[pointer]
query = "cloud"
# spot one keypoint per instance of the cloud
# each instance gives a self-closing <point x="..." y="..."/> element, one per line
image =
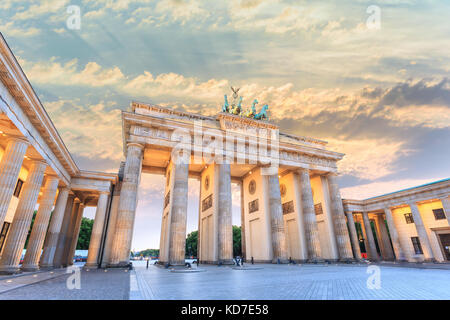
<point x="68" y="74"/>
<point x="373" y="189"/>
<point x="89" y="131"/>
<point x="369" y="158"/>
<point x="43" y="7"/>
<point x="11" y="29"/>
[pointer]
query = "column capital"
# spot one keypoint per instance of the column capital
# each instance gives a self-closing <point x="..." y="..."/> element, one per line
<point x="303" y="170"/>
<point x="38" y="161"/>
<point x="104" y="192"/>
<point x="12" y="137"/>
<point x="135" y="144"/>
<point x="76" y="200"/>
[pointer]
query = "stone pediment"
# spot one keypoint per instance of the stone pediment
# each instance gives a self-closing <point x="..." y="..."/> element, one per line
<point x="237" y="123"/>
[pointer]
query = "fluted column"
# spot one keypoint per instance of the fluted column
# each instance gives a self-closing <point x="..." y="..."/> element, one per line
<point x="75" y="233"/>
<point x="225" y="240"/>
<point x="421" y="232"/>
<point x="51" y="242"/>
<point x="97" y="230"/>
<point x="276" y="220"/>
<point x="387" y="251"/>
<point x="370" y="239"/>
<point x="10" y="165"/>
<point x="40" y="225"/>
<point x="353" y="235"/>
<point x="63" y="233"/>
<point x="9" y="263"/>
<point x="309" y="216"/>
<point x="120" y="254"/>
<point x="398" y="250"/>
<point x="178" y="215"/>
<point x="340" y="225"/>
<point x="446" y="206"/>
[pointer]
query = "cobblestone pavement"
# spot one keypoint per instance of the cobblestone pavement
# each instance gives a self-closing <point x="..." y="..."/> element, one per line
<point x="284" y="282"/>
<point x="275" y="282"/>
<point x="114" y="284"/>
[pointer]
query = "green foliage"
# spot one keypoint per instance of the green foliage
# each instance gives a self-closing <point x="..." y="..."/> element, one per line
<point x="31" y="227"/>
<point x="237" y="247"/>
<point x="192" y="240"/>
<point x="148" y="253"/>
<point x="191" y="244"/>
<point x="85" y="233"/>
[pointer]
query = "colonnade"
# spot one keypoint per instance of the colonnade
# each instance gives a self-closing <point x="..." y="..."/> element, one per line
<point x="173" y="233"/>
<point x="55" y="230"/>
<point x="388" y="239"/>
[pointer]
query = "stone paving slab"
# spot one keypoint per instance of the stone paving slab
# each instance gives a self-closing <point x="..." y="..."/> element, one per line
<point x="96" y="284"/>
<point x="268" y="282"/>
<point x="8" y="283"/>
<point x="295" y="282"/>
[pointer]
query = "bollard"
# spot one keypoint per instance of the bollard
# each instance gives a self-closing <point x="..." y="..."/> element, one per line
<point x="147" y="263"/>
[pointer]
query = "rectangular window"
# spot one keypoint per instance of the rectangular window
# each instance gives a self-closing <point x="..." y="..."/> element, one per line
<point x="318" y="209"/>
<point x="18" y="188"/>
<point x="439" y="214"/>
<point x="416" y="245"/>
<point x="409" y="218"/>
<point x="3" y="234"/>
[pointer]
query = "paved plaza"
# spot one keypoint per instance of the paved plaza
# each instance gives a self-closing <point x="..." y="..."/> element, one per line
<point x="271" y="282"/>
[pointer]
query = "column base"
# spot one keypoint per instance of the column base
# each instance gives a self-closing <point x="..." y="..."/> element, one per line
<point x="90" y="265"/>
<point x="280" y="261"/>
<point x="316" y="260"/>
<point x="347" y="260"/>
<point x="10" y="270"/>
<point x="226" y="262"/>
<point x="46" y="267"/>
<point x="120" y="265"/>
<point x="29" y="268"/>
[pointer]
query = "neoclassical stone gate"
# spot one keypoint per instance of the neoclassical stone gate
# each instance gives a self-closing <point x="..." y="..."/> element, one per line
<point x="291" y="205"/>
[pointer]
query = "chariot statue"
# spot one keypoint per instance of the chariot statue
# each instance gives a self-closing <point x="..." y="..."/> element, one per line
<point x="236" y="107"/>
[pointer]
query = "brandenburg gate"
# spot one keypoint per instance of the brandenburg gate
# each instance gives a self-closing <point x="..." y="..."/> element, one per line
<point x="291" y="206"/>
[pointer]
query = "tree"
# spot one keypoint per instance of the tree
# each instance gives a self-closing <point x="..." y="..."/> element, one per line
<point x="191" y="244"/>
<point x="149" y="253"/>
<point x="192" y="240"/>
<point x="29" y="230"/>
<point x="237" y="248"/>
<point x="85" y="233"/>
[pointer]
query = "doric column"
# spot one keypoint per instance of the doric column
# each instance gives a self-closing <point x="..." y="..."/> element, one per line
<point x="243" y="244"/>
<point x="353" y="235"/>
<point x="97" y="230"/>
<point x="276" y="220"/>
<point x="120" y="254"/>
<point x="309" y="216"/>
<point x="40" y="225"/>
<point x="421" y="232"/>
<point x="111" y="225"/>
<point x="399" y="253"/>
<point x="10" y="165"/>
<point x="370" y="239"/>
<point x="70" y="232"/>
<point x="446" y="206"/>
<point x="340" y="226"/>
<point x="225" y="239"/>
<point x="75" y="234"/>
<point x="388" y="254"/>
<point x="9" y="263"/>
<point x="177" y="240"/>
<point x="51" y="242"/>
<point x="63" y="233"/>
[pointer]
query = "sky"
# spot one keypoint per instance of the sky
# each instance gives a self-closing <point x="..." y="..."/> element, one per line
<point x="369" y="77"/>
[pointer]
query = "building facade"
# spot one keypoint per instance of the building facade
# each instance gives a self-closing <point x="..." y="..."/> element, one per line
<point x="291" y="208"/>
<point x="408" y="225"/>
